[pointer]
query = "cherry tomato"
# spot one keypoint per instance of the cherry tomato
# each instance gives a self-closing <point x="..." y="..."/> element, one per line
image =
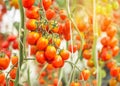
<point x="90" y="63"/>
<point x="72" y="48"/>
<point x="85" y="74"/>
<point x="113" y="82"/>
<point x="32" y="13"/>
<point x="104" y="41"/>
<point x="63" y="14"/>
<point x="113" y="42"/>
<point x="50" y="53"/>
<point x="57" y="42"/>
<point x="42" y="43"/>
<point x="111" y="31"/>
<point x="40" y="57"/>
<point x="31" y="24"/>
<point x="32" y="38"/>
<point x="14" y="60"/>
<point x="58" y="62"/>
<point x="75" y="84"/>
<point x="28" y="3"/>
<point x="14" y="3"/>
<point x="2" y="78"/>
<point x="46" y="4"/>
<point x="33" y="50"/>
<point x="4" y="62"/>
<point x="115" y="51"/>
<point x="114" y="72"/>
<point x="15" y="45"/>
<point x="111" y="64"/>
<point x="13" y="73"/>
<point x="87" y="54"/>
<point x="5" y="44"/>
<point x="50" y="14"/>
<point x="11" y="38"/>
<point x="64" y="54"/>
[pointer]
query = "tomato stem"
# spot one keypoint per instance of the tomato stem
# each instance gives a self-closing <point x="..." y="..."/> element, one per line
<point x="21" y="43"/>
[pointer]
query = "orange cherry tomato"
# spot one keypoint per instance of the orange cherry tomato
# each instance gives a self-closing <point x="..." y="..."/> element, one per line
<point x="64" y="54"/>
<point x="33" y="12"/>
<point x="50" y="53"/>
<point x="2" y="78"/>
<point x="85" y="74"/>
<point x="14" y="60"/>
<point x="31" y="24"/>
<point x="58" y="62"/>
<point x="27" y="3"/>
<point x="13" y="73"/>
<point x="42" y="43"/>
<point x="32" y="38"/>
<point x="4" y="62"/>
<point x="40" y="57"/>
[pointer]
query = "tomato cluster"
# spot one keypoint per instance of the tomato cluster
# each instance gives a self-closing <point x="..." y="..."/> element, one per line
<point x="45" y="31"/>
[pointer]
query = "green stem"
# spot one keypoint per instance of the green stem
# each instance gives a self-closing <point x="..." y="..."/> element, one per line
<point x="60" y="76"/>
<point x="82" y="41"/>
<point x="44" y="67"/>
<point x="21" y="43"/>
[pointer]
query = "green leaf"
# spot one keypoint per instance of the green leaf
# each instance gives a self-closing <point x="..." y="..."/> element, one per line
<point x="16" y="25"/>
<point x="61" y="3"/>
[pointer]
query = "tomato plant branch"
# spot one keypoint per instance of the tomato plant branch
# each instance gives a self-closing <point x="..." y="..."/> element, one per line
<point x="44" y="67"/>
<point x="21" y="45"/>
<point x="94" y="49"/>
<point x="60" y="76"/>
<point x="81" y="37"/>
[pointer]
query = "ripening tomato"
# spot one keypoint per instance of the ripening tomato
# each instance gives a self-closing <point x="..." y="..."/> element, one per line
<point x="111" y="64"/>
<point x="64" y="54"/>
<point x="72" y="48"/>
<point x="82" y="26"/>
<point x="4" y="62"/>
<point x="85" y="74"/>
<point x="114" y="71"/>
<point x="50" y="14"/>
<point x="42" y="43"/>
<point x="63" y="15"/>
<point x="90" y="63"/>
<point x="28" y="3"/>
<point x="87" y="54"/>
<point x="118" y="77"/>
<point x="11" y="83"/>
<point x="14" y="3"/>
<point x="113" y="82"/>
<point x="60" y="28"/>
<point x="32" y="13"/>
<point x="33" y="49"/>
<point x="55" y="82"/>
<point x="57" y="42"/>
<point x="40" y="57"/>
<point x="11" y="38"/>
<point x="41" y="81"/>
<point x="31" y="24"/>
<point x="67" y="36"/>
<point x="104" y="41"/>
<point x="113" y="42"/>
<point x="58" y="62"/>
<point x="115" y="51"/>
<point x="14" y="60"/>
<point x="50" y="53"/>
<point x="7" y="52"/>
<point x="15" y="44"/>
<point x="2" y="78"/>
<point x="46" y="4"/>
<point x="5" y="44"/>
<point x="32" y="38"/>
<point x="13" y="73"/>
<point x="111" y="31"/>
<point x="75" y="84"/>
<point x="50" y="67"/>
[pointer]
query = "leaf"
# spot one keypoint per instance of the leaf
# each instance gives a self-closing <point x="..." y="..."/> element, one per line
<point x="61" y="3"/>
<point x="16" y="25"/>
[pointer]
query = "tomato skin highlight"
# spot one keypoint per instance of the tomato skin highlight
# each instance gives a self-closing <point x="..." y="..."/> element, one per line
<point x="27" y="3"/>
